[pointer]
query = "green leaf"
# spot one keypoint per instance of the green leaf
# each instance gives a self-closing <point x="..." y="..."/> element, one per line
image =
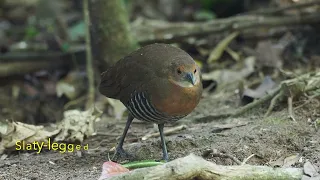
<point x="30" y="32"/>
<point x="77" y="31"/>
<point x="204" y="15"/>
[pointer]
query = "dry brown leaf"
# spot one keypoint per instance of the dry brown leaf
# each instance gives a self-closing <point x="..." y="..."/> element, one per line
<point x="277" y="163"/>
<point x="225" y="76"/>
<point x="267" y="85"/>
<point x="12" y="132"/>
<point x="72" y="86"/>
<point x="291" y="160"/>
<point x="221" y="47"/>
<point x="310" y="170"/>
<point x="286" y="162"/>
<point x="118" y="107"/>
<point x="269" y="55"/>
<point x="77" y="125"/>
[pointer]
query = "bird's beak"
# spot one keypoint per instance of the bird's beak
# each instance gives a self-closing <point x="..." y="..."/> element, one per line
<point x="191" y="78"/>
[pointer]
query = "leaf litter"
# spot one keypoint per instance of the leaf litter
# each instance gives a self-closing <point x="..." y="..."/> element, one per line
<point x="75" y="127"/>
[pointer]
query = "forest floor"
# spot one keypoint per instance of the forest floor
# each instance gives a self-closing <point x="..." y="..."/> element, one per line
<point x="275" y="140"/>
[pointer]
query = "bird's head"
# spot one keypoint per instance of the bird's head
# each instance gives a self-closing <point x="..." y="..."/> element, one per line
<point x="185" y="73"/>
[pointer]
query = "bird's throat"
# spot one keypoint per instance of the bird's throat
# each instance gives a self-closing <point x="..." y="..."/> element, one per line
<point x="184" y="84"/>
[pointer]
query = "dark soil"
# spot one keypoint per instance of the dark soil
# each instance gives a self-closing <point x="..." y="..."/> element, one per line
<point x="269" y="139"/>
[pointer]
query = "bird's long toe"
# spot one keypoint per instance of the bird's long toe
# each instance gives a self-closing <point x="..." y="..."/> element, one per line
<point x="121" y="153"/>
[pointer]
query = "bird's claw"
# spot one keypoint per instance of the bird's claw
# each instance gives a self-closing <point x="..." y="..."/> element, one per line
<point x="121" y="153"/>
<point x="165" y="158"/>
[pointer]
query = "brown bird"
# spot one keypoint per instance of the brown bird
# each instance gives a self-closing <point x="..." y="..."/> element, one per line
<point x="157" y="83"/>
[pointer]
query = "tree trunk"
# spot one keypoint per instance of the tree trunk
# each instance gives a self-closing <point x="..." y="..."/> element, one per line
<point x="111" y="37"/>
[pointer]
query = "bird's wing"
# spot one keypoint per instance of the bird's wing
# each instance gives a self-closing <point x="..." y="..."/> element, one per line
<point x="127" y="76"/>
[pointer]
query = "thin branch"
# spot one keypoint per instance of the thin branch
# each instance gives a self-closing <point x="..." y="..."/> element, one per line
<point x="247" y="159"/>
<point x="272" y="11"/>
<point x="149" y="31"/>
<point x="90" y="73"/>
<point x="290" y="108"/>
<point x="223" y="155"/>
<point x="166" y="132"/>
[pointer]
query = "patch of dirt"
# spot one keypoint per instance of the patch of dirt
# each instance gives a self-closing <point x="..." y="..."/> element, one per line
<point x="268" y="138"/>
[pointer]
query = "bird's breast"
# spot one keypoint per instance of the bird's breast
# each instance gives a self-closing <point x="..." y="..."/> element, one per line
<point x="177" y="100"/>
<point x="141" y="108"/>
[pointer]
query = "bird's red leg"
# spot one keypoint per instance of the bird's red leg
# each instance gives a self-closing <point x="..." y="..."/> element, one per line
<point x="119" y="150"/>
<point x="163" y="143"/>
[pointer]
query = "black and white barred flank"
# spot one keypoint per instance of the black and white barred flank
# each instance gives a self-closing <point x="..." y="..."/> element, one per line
<point x="140" y="108"/>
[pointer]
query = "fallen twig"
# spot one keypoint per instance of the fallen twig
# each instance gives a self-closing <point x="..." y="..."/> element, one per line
<point x="166" y="132"/>
<point x="241" y="110"/>
<point x="22" y="63"/>
<point x="150" y="31"/>
<point x="256" y="103"/>
<point x="23" y="67"/>
<point x="194" y="167"/>
<point x="219" y="128"/>
<point x="272" y="11"/>
<point x="289" y="88"/>
<point x="273" y="102"/>
<point x="307" y="101"/>
<point x="223" y="155"/>
<point x="108" y="134"/>
<point x="290" y="111"/>
<point x="247" y="159"/>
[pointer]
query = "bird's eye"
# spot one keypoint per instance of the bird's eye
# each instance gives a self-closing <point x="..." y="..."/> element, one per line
<point x="179" y="71"/>
<point x="195" y="71"/>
